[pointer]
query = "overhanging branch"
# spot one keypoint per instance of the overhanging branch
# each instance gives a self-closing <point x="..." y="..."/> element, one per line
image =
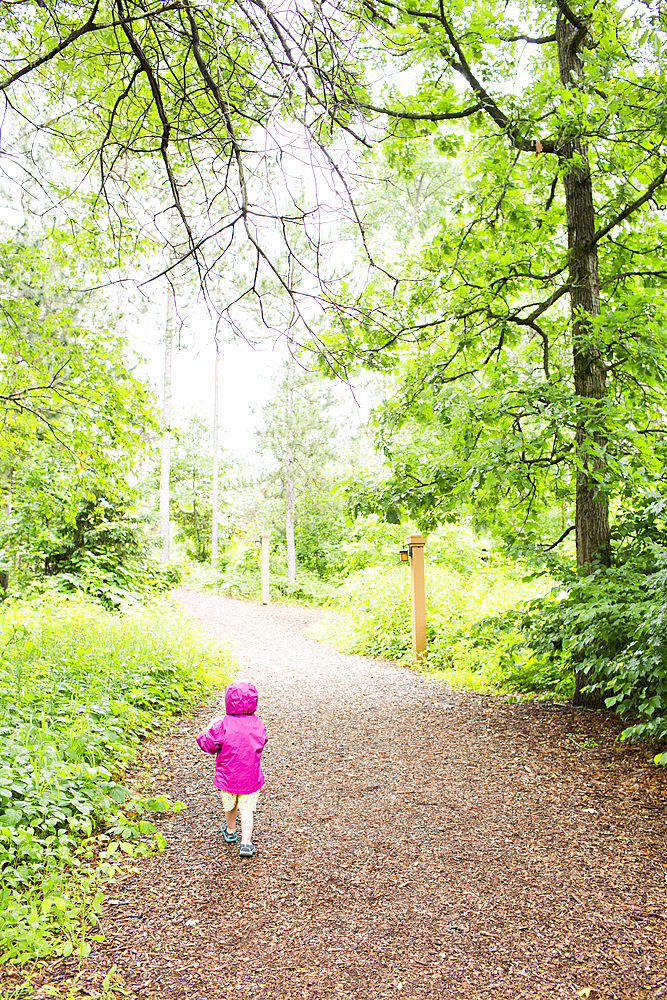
<point x="544" y="40"/>
<point x="553" y="545"/>
<point x="85" y="29"/>
<point x="415" y="117"/>
<point x="632" y="207"/>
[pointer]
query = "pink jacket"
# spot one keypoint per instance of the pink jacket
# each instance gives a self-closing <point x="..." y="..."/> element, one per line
<point x="237" y="739"/>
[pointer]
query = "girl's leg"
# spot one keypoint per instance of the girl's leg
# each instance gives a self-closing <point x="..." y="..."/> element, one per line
<point x="230" y="814"/>
<point x="247" y="817"/>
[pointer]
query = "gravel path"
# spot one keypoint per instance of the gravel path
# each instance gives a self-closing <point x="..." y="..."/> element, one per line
<point x="412" y="842"/>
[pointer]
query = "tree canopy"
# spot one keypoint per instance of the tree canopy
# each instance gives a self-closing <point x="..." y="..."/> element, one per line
<point x="525" y="327"/>
<point x="530" y="328"/>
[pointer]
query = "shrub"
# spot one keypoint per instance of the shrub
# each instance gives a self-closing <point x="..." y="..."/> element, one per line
<point x="613" y="623"/>
<point x="375" y="617"/>
<point x="79" y="687"/>
<point x="102" y="551"/>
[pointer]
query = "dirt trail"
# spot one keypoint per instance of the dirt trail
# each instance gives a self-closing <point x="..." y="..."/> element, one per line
<point x="412" y="842"/>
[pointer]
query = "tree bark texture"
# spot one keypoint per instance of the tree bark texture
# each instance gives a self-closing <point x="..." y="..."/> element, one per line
<point x="590" y="375"/>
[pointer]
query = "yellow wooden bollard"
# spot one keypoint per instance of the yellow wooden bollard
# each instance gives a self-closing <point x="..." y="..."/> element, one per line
<point x="264" y="562"/>
<point x="416" y="545"/>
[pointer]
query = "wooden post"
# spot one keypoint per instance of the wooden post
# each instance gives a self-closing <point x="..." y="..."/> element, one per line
<point x="264" y="556"/>
<point x="416" y="545"/>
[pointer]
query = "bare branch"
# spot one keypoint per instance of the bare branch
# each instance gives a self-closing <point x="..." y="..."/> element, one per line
<point x="544" y="40"/>
<point x="166" y="124"/>
<point x="632" y="207"/>
<point x="414" y="117"/>
<point x="553" y="545"/>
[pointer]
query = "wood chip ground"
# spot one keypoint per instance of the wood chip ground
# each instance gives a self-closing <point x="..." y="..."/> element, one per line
<point x="412" y="842"/>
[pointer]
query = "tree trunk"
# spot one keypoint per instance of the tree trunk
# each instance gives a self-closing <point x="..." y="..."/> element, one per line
<point x="165" y="444"/>
<point x="122" y="291"/>
<point x="590" y="374"/>
<point x="214" y="486"/>
<point x="198" y="547"/>
<point x="289" y="467"/>
<point x="195" y="521"/>
<point x="5" y="576"/>
<point x="122" y="303"/>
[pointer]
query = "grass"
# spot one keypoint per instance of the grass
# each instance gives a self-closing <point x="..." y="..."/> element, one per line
<point x="79" y="688"/>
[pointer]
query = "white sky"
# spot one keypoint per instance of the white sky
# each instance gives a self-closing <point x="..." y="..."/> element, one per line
<point x="247" y="376"/>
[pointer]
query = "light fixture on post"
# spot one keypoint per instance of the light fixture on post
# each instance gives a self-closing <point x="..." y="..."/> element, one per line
<point x="404" y="555"/>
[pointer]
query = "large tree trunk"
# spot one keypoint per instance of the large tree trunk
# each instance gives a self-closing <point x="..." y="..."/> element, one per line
<point x="590" y="374"/>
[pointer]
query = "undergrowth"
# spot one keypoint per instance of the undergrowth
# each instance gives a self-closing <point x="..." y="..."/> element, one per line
<point x="79" y="688"/>
<point x="375" y="617"/>
<point x="611" y="625"/>
<point x="491" y="626"/>
<point x="245" y="581"/>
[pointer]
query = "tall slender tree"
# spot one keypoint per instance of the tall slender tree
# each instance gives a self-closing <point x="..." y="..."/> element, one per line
<point x="215" y="456"/>
<point x="165" y="442"/>
<point x="289" y="459"/>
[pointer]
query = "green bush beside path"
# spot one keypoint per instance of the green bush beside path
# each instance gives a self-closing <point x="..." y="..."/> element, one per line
<point x="79" y="688"/>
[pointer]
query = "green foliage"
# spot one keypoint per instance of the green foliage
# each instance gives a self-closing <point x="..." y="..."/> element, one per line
<point x="312" y="438"/>
<point x="329" y="548"/>
<point x="613" y="623"/>
<point x="74" y="421"/>
<point x="320" y="527"/>
<point x="463" y="590"/>
<point x="314" y="411"/>
<point x="490" y="626"/>
<point x="319" y="532"/>
<point x="370" y="541"/>
<point x="74" y="416"/>
<point x="102" y="551"/>
<point x="481" y="415"/>
<point x="191" y="478"/>
<point x="406" y="190"/>
<point x="79" y="687"/>
<point x="239" y="573"/>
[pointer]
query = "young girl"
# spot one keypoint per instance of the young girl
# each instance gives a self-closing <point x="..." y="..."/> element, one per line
<point x="237" y="739"/>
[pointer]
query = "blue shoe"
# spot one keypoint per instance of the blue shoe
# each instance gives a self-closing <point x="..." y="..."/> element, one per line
<point x="229" y="835"/>
<point x="246" y="850"/>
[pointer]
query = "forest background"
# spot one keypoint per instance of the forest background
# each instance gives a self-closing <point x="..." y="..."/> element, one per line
<point x="448" y="225"/>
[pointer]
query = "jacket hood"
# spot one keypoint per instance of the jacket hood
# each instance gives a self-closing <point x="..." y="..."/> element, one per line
<point x="241" y="698"/>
